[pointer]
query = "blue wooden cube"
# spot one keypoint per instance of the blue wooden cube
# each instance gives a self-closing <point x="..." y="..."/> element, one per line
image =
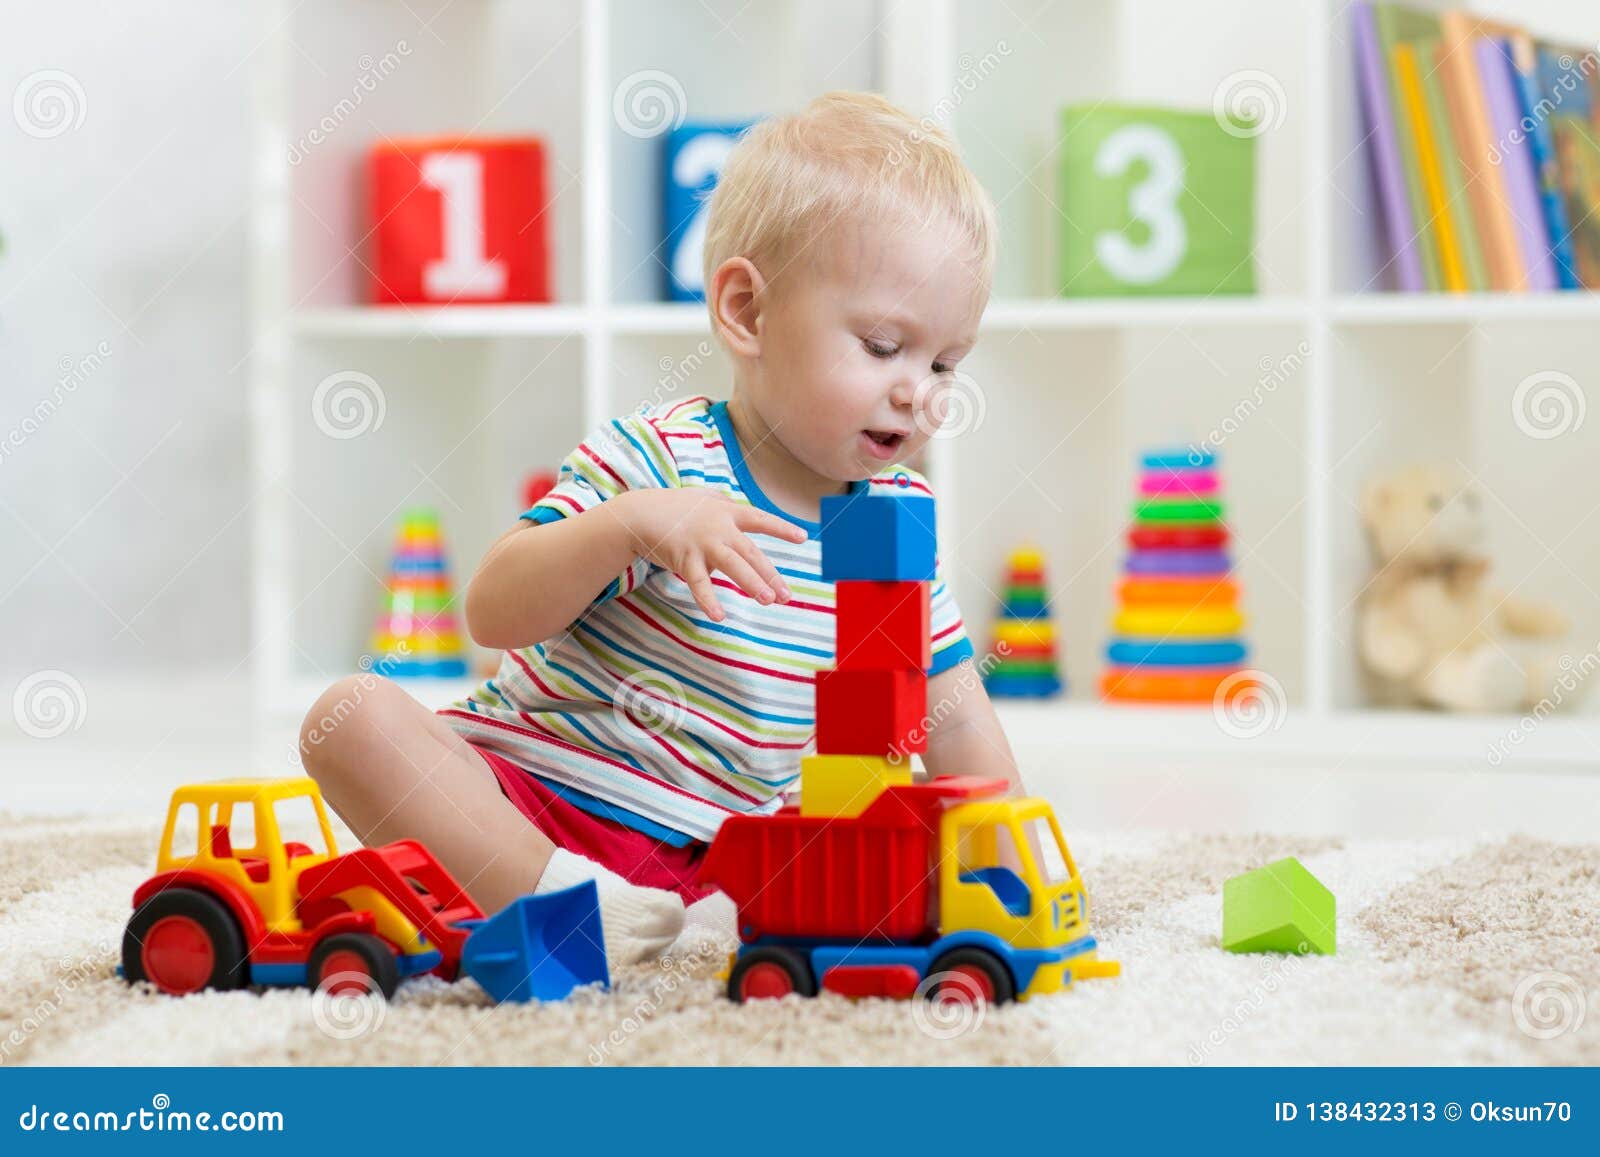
<point x="693" y="158"/>
<point x="875" y="537"/>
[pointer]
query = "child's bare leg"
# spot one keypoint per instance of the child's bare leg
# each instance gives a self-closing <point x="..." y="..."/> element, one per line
<point x="392" y="769"/>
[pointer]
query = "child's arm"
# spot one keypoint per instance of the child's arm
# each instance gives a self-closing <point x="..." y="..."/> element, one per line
<point x="964" y="734"/>
<point x="534" y="582"/>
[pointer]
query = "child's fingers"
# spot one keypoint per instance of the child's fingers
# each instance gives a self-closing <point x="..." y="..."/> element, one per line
<point x="704" y="593"/>
<point x="757" y="558"/>
<point x="748" y="518"/>
<point x="731" y="563"/>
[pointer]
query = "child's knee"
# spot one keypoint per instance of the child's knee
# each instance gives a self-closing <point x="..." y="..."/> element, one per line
<point x="340" y="722"/>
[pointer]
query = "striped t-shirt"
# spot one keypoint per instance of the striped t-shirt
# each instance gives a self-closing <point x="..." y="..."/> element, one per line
<point x="645" y="709"/>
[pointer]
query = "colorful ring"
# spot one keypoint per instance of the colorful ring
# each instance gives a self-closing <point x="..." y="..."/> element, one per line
<point x="1178" y="536"/>
<point x="1188" y="622"/>
<point x="1178" y="562"/>
<point x="1199" y="483"/>
<point x="1025" y="632"/>
<point x="1176" y="685"/>
<point x="1132" y="652"/>
<point x="1177" y="592"/>
<point x="1179" y="460"/>
<point x="1165" y="510"/>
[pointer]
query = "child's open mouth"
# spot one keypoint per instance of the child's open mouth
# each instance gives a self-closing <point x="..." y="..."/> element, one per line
<point x="883" y="444"/>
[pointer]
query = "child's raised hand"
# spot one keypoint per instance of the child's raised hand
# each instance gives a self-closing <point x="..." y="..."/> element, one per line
<point x="693" y="532"/>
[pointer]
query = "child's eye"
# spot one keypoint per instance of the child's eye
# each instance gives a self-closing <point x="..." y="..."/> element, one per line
<point x="942" y="368"/>
<point x="880" y="349"/>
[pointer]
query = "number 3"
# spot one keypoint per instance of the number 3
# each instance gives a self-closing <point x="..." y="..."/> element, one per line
<point x="1152" y="201"/>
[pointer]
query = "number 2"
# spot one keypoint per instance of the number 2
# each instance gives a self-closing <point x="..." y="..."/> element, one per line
<point x="1153" y="201"/>
<point x="699" y="160"/>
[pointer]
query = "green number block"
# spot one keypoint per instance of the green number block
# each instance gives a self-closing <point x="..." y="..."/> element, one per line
<point x="1155" y="201"/>
<point x="1278" y="908"/>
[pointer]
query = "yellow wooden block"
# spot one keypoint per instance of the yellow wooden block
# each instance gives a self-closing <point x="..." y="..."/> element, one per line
<point x="844" y="785"/>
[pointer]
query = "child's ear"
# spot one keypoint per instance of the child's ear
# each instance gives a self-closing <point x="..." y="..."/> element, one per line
<point x="735" y="295"/>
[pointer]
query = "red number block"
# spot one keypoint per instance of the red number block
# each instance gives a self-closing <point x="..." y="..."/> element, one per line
<point x="882" y="625"/>
<point x="861" y="711"/>
<point x="459" y="221"/>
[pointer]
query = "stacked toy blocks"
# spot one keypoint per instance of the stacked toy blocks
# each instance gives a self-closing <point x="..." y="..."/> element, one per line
<point x="417" y="634"/>
<point x="872" y="703"/>
<point x="1177" y="631"/>
<point x="1022" y="659"/>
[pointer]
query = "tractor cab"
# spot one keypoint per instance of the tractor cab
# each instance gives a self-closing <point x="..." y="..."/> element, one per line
<point x="233" y="829"/>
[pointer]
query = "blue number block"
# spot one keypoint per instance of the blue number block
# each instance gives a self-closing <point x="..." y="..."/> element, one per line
<point x="693" y="159"/>
<point x="878" y="538"/>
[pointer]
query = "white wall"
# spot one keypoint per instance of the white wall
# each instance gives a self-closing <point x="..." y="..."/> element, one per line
<point x="124" y="520"/>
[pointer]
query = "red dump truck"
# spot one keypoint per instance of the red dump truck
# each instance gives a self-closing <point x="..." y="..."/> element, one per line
<point x="947" y="886"/>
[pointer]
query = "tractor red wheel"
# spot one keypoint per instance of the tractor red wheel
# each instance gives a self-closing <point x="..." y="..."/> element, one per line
<point x="183" y="940"/>
<point x="972" y="976"/>
<point x="769" y="973"/>
<point x="353" y="963"/>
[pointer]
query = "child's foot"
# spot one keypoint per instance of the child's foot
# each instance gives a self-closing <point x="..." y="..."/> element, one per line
<point x="638" y="923"/>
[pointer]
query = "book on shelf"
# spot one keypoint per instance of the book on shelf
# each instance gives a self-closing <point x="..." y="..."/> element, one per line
<point x="1482" y="144"/>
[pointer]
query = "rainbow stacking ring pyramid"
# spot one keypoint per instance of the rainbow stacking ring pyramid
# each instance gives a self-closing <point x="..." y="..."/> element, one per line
<point x="1022" y="657"/>
<point x="417" y="635"/>
<point x="1177" y="631"/>
<point x="872" y="703"/>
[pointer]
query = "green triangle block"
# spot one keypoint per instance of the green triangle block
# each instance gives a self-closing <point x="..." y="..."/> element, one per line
<point x="1279" y="908"/>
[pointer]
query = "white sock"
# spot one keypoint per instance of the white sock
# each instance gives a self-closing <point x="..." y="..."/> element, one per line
<point x="638" y="923"/>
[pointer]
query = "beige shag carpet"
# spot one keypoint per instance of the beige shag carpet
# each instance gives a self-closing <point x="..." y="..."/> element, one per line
<point x="1455" y="952"/>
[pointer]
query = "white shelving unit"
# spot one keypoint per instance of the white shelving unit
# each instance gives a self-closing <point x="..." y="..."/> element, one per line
<point x="1344" y="380"/>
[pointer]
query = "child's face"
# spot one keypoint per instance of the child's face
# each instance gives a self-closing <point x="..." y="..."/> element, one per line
<point x="857" y="340"/>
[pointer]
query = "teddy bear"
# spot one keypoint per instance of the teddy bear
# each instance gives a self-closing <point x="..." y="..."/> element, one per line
<point x="1432" y="631"/>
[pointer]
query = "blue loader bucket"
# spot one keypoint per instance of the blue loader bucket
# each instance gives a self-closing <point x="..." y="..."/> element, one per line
<point x="539" y="947"/>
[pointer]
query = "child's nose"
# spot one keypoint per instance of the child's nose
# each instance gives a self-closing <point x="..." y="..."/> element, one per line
<point x="903" y="394"/>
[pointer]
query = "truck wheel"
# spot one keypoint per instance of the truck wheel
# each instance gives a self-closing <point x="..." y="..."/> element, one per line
<point x="353" y="963"/>
<point x="764" y="973"/>
<point x="970" y="975"/>
<point x="183" y="940"/>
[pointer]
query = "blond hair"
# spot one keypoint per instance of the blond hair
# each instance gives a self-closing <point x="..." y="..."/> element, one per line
<point x="790" y="177"/>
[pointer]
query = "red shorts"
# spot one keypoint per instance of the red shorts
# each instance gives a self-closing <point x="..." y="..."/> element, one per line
<point x="636" y="857"/>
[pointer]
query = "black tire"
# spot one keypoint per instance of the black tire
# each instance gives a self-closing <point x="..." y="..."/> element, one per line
<point x="356" y="952"/>
<point x="760" y="962"/>
<point x="230" y="968"/>
<point x="979" y="960"/>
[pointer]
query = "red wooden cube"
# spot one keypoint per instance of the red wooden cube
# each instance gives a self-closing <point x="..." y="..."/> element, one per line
<point x="882" y="624"/>
<point x="865" y="711"/>
<point x="461" y="220"/>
